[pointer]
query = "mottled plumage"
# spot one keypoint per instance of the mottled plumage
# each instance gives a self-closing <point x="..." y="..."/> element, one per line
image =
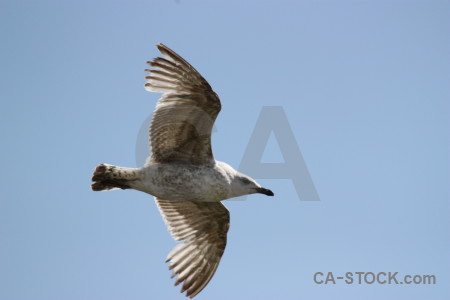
<point x="203" y="229"/>
<point x="188" y="184"/>
<point x="182" y="122"/>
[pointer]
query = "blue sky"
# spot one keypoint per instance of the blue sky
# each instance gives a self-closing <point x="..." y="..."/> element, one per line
<point x="365" y="88"/>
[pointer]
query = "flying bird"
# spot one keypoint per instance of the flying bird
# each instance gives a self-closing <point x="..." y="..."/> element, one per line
<point x="181" y="173"/>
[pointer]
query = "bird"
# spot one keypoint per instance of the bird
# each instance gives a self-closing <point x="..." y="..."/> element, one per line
<point x="187" y="183"/>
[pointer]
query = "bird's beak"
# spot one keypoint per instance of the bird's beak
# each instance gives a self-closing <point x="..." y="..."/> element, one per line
<point x="264" y="191"/>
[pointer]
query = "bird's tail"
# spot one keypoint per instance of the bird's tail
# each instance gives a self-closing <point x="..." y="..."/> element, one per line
<point x="108" y="177"/>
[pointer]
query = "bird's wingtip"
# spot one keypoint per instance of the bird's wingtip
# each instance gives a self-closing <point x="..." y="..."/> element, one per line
<point x="161" y="46"/>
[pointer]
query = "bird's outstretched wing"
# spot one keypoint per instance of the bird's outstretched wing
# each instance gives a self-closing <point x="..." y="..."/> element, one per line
<point x="203" y="227"/>
<point x="181" y="126"/>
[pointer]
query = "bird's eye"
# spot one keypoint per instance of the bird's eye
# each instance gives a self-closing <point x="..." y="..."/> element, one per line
<point x="244" y="180"/>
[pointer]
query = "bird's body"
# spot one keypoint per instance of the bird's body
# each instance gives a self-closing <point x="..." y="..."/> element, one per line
<point x="181" y="182"/>
<point x="182" y="174"/>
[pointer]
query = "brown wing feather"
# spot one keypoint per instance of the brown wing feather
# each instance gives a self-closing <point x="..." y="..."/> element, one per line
<point x="203" y="227"/>
<point x="182" y="122"/>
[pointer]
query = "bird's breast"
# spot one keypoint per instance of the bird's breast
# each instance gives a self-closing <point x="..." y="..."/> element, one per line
<point x="185" y="182"/>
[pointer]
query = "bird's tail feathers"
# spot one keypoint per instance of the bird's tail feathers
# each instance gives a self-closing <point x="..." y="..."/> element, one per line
<point x="108" y="177"/>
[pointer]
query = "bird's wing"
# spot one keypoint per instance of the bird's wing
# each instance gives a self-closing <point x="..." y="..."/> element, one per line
<point x="203" y="227"/>
<point x="182" y="122"/>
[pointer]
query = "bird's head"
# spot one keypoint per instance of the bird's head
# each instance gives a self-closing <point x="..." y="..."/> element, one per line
<point x="244" y="185"/>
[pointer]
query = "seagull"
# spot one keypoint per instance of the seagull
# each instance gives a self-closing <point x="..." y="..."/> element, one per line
<point x="188" y="184"/>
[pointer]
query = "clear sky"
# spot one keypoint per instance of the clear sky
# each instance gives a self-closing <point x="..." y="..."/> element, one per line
<point x="365" y="89"/>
